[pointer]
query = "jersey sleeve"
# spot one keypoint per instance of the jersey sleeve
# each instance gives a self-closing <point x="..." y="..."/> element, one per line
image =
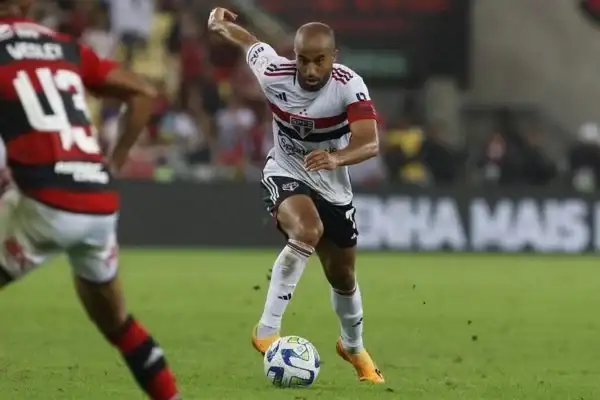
<point x="266" y="64"/>
<point x="94" y="69"/>
<point x="357" y="100"/>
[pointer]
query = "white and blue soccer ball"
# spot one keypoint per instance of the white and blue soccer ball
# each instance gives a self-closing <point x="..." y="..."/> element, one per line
<point x="292" y="361"/>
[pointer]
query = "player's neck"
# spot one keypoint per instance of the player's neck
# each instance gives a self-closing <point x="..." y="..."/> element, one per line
<point x="312" y="89"/>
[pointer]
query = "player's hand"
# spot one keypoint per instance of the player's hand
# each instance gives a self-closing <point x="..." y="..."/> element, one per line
<point x="115" y="162"/>
<point x="220" y="14"/>
<point x="319" y="160"/>
<point x="114" y="170"/>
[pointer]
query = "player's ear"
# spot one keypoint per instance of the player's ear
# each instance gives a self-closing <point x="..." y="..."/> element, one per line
<point x="335" y="55"/>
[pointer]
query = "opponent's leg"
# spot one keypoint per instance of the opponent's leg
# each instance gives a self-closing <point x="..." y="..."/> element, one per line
<point x="298" y="218"/>
<point x="8" y="201"/>
<point x="102" y="296"/>
<point x="20" y="232"/>
<point x="5" y="279"/>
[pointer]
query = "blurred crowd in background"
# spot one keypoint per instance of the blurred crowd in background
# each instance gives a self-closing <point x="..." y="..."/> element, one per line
<point x="212" y="123"/>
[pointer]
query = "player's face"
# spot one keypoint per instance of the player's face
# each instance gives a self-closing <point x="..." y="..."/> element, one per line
<point x="314" y="66"/>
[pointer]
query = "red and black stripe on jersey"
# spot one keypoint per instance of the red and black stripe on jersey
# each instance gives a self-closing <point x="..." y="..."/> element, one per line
<point x="281" y="69"/>
<point x="341" y="75"/>
<point x="317" y="138"/>
<point x="323" y="123"/>
<point x="33" y="155"/>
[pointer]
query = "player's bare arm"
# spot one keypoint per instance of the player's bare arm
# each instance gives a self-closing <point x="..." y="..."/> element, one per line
<point x="364" y="144"/>
<point x="139" y="97"/>
<point x="221" y="21"/>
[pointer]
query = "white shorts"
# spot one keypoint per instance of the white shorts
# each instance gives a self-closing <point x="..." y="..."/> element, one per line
<point x="32" y="233"/>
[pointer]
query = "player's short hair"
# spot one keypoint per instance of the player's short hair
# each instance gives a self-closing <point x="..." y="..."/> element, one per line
<point x="317" y="28"/>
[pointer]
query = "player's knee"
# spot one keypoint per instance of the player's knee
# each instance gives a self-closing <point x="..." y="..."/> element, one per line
<point x="341" y="277"/>
<point x="308" y="232"/>
<point x="343" y="281"/>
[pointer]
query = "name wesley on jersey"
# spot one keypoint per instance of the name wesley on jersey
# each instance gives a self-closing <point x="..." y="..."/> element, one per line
<point x="26" y="47"/>
<point x="35" y="51"/>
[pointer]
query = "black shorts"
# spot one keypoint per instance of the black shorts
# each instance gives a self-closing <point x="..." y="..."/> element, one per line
<point x="339" y="224"/>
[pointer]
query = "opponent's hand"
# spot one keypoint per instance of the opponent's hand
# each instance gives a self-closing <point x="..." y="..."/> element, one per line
<point x="116" y="161"/>
<point x="220" y="14"/>
<point x="319" y="160"/>
<point x="113" y="169"/>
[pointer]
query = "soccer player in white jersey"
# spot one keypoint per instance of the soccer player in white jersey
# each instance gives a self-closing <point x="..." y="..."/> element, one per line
<point x="323" y="121"/>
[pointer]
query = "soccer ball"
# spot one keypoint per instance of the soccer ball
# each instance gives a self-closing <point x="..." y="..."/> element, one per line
<point x="292" y="362"/>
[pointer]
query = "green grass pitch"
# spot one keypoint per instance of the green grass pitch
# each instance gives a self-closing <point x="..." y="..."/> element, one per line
<point x="440" y="327"/>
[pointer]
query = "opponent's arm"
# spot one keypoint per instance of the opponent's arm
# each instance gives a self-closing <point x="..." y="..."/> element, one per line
<point x="104" y="78"/>
<point x="221" y="22"/>
<point x="364" y="139"/>
<point x="139" y="98"/>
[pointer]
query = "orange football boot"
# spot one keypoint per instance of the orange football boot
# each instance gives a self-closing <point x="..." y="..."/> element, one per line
<point x="363" y="364"/>
<point x="262" y="344"/>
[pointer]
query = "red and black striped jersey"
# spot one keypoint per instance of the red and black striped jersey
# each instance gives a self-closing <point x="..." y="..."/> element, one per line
<point x="51" y="143"/>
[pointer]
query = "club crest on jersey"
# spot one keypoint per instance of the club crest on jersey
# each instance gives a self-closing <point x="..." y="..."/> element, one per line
<point x="302" y="126"/>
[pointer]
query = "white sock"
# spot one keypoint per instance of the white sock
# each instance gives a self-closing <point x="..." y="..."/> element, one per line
<point x="348" y="307"/>
<point x="286" y="273"/>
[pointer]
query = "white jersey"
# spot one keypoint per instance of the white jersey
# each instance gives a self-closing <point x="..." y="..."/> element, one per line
<point x="304" y="121"/>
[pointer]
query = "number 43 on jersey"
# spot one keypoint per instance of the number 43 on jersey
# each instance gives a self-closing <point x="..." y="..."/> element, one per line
<point x="65" y="93"/>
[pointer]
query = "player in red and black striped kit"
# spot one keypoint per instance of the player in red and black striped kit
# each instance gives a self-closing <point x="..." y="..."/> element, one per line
<point x="65" y="201"/>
